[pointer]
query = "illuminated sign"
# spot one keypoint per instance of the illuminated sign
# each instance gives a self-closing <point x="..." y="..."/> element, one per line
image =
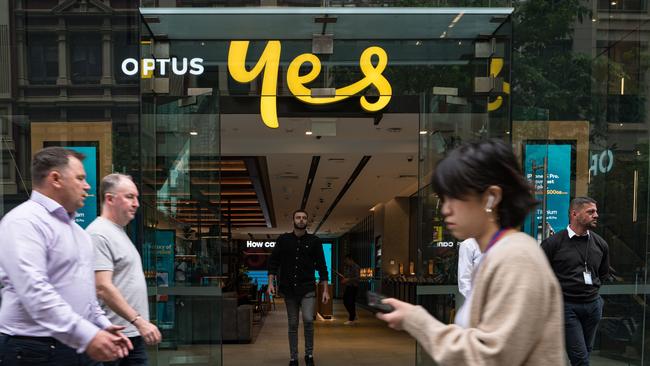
<point x="147" y="66"/>
<point x="260" y="244"/>
<point x="444" y="244"/>
<point x="496" y="66"/>
<point x="268" y="66"/>
<point x="269" y="63"/>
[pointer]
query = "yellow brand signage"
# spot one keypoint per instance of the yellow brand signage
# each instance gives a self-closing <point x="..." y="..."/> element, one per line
<point x="269" y="63"/>
<point x="496" y="66"/>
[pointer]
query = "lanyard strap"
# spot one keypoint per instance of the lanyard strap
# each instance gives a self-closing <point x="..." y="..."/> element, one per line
<point x="495" y="238"/>
<point x="587" y="244"/>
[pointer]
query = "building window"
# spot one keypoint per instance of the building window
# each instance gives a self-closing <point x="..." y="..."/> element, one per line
<point x="85" y="58"/>
<point x="43" y="58"/>
<point x="125" y="45"/>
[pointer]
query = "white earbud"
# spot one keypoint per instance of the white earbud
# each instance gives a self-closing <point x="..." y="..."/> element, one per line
<point x="490" y="202"/>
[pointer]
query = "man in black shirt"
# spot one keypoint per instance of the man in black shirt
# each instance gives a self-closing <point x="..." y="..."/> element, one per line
<point x="580" y="259"/>
<point x="295" y="258"/>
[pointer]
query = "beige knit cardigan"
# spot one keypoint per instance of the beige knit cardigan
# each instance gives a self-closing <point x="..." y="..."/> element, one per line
<point x="516" y="314"/>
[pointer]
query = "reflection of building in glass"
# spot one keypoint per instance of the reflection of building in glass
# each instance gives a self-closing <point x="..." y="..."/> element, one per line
<point x="8" y="179"/>
<point x="64" y="71"/>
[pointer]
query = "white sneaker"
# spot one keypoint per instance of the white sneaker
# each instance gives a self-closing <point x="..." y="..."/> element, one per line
<point x="349" y="322"/>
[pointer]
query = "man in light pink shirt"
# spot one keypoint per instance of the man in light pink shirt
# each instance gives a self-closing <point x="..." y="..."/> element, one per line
<point x="49" y="313"/>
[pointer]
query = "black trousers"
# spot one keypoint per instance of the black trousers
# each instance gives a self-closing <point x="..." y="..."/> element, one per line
<point x="580" y="325"/>
<point x="39" y="351"/>
<point x="136" y="357"/>
<point x="350" y="301"/>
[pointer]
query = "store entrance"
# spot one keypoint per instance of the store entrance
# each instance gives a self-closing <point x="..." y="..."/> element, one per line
<point x="251" y="113"/>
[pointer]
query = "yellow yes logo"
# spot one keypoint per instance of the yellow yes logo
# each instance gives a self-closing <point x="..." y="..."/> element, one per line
<point x="269" y="64"/>
<point x="496" y="66"/>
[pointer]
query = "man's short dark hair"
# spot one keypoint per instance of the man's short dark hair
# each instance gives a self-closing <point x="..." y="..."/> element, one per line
<point x="296" y="211"/>
<point x="578" y="202"/>
<point x="48" y="159"/>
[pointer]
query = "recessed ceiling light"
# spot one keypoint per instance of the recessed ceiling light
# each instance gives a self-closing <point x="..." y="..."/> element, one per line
<point x="194" y="133"/>
<point x="308" y="133"/>
<point x="423" y="132"/>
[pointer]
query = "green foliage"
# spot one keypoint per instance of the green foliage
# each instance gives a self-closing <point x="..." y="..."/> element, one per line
<point x="547" y="73"/>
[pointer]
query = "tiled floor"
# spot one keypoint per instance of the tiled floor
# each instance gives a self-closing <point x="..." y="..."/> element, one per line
<point x="368" y="343"/>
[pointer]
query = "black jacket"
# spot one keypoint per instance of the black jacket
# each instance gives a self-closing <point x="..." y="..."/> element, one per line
<point x="294" y="261"/>
<point x="567" y="258"/>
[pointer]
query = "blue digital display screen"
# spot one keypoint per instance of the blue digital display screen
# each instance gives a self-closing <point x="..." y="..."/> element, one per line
<point x="558" y="185"/>
<point x="327" y="250"/>
<point x="261" y="277"/>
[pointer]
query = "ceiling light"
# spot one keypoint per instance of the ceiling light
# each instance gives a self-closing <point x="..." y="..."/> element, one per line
<point x="423" y="132"/>
<point x="308" y="133"/>
<point x="418" y="43"/>
<point x="194" y="133"/>
<point x="594" y="19"/>
<point x="613" y="3"/>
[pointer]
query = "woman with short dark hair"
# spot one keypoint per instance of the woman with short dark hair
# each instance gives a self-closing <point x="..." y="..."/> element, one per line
<point x="513" y="315"/>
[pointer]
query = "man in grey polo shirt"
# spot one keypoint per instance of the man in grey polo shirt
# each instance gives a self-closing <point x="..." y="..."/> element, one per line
<point x="118" y="268"/>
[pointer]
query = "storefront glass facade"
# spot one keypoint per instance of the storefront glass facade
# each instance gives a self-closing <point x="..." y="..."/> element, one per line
<point x="564" y="82"/>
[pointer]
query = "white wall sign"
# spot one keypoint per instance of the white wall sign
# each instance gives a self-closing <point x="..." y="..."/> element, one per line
<point x="194" y="66"/>
<point x="260" y="244"/>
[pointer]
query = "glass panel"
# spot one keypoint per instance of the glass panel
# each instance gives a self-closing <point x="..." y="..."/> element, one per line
<point x="469" y="102"/>
<point x="589" y="101"/>
<point x="328" y="3"/>
<point x="182" y="228"/>
<point x="425" y="24"/>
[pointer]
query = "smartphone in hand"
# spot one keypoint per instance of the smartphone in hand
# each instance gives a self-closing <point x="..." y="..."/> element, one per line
<point x="374" y="301"/>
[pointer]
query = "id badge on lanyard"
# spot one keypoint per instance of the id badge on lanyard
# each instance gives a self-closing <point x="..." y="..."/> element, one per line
<point x="587" y="276"/>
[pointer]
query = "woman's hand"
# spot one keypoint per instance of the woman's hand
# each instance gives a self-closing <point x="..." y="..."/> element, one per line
<point x="396" y="317"/>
